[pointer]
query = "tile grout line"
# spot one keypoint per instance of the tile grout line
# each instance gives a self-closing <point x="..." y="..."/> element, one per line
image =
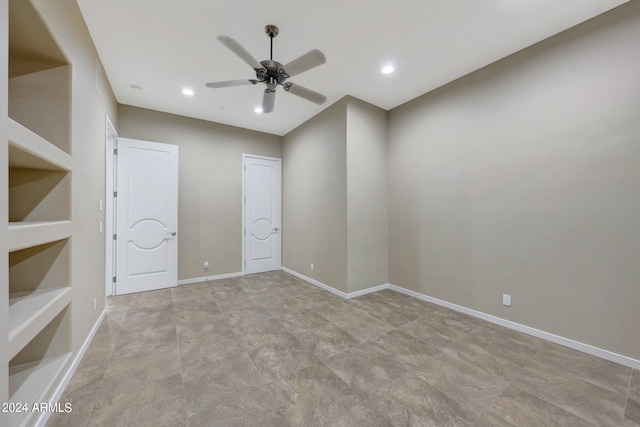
<point x="184" y="393"/>
<point x="626" y="402"/>
<point x="510" y="383"/>
<point x="115" y="338"/>
<point x="265" y="384"/>
<point x="324" y="363"/>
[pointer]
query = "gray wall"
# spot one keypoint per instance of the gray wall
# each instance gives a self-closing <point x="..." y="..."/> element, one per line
<point x="210" y="183"/>
<point x="523" y="178"/>
<point x="314" y="191"/>
<point x="334" y="197"/>
<point x="367" y="198"/>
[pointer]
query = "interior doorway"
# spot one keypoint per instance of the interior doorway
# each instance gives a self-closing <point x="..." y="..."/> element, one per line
<point x="262" y="213"/>
<point x="143" y="213"/>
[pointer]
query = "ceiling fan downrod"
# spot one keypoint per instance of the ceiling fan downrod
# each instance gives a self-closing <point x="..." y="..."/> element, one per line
<point x="271" y="31"/>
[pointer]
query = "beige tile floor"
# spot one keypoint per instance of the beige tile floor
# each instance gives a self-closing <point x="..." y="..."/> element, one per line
<point x="271" y="350"/>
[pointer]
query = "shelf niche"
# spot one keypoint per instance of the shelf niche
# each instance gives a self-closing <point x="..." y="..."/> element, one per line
<point x="40" y="267"/>
<point x="38" y="292"/>
<point x="37" y="369"/>
<point x="39" y="195"/>
<point x="39" y="84"/>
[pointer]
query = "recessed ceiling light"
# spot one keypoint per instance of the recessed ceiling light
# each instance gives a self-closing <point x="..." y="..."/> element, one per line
<point x="258" y="109"/>
<point x="388" y="69"/>
<point x="187" y="91"/>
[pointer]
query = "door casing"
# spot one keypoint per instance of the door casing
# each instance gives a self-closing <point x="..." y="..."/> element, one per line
<point x="111" y="216"/>
<point x="111" y="141"/>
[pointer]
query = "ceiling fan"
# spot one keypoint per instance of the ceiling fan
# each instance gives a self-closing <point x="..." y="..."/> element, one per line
<point x="272" y="73"/>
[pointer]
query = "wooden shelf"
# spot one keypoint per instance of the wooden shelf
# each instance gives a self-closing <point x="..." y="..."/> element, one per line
<point x="31" y="312"/>
<point x="32" y="382"/>
<point x="28" y="234"/>
<point x="30" y="151"/>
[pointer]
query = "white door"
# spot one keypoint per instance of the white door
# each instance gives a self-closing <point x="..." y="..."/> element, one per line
<point x="262" y="213"/>
<point x="146" y="216"/>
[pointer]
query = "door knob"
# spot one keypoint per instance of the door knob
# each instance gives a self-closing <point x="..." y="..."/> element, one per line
<point x="276" y="229"/>
<point x="173" y="233"/>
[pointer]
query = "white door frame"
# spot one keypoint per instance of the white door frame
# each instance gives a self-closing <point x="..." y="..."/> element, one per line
<point x="244" y="206"/>
<point x="111" y="139"/>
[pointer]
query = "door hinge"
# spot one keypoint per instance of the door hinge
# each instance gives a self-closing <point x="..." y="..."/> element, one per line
<point x="115" y="194"/>
<point x="114" y="279"/>
<point x="115" y="151"/>
<point x="115" y="237"/>
<point x="245" y="231"/>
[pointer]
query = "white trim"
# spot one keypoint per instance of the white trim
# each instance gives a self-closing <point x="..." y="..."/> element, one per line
<point x="109" y="218"/>
<point x="567" y="342"/>
<point x="243" y="201"/>
<point x="44" y="416"/>
<point x="332" y="289"/>
<point x="315" y="282"/>
<point x="209" y="278"/>
<point x="368" y="291"/>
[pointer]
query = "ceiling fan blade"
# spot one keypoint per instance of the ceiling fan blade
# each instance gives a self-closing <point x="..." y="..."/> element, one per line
<point x="268" y="101"/>
<point x="305" y="62"/>
<point x="230" y="83"/>
<point x="305" y="93"/>
<point x="237" y="48"/>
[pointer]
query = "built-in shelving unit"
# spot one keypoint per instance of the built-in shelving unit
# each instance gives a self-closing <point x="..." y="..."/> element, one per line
<point x="40" y="229"/>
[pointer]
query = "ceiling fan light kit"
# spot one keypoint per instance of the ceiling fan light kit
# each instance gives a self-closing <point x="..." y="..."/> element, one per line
<point x="273" y="73"/>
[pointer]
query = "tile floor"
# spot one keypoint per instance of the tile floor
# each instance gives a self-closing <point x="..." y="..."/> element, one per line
<point x="271" y="350"/>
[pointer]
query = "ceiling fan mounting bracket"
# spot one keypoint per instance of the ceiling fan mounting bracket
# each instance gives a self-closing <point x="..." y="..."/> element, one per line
<point x="271" y="30"/>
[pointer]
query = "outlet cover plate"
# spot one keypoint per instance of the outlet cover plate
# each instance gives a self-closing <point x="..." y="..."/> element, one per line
<point x="506" y="300"/>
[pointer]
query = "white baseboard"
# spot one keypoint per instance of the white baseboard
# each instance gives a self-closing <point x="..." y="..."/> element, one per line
<point x="367" y="291"/>
<point x="44" y="416"/>
<point x="316" y="283"/>
<point x="567" y="342"/>
<point x="332" y="289"/>
<point x="209" y="278"/>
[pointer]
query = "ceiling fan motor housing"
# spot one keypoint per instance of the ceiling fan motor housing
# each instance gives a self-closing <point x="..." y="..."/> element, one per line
<point x="274" y="72"/>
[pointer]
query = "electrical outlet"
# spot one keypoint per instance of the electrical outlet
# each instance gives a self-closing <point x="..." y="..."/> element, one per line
<point x="506" y="300"/>
<point x="311" y="266"/>
<point x="94" y="304"/>
<point x="206" y="265"/>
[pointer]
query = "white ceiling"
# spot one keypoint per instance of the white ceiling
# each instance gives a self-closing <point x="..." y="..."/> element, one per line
<point x="162" y="46"/>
